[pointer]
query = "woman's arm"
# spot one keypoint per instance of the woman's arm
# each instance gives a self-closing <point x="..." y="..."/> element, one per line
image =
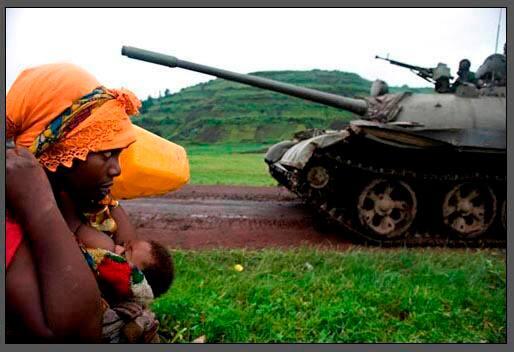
<point x="126" y="230"/>
<point x="24" y="308"/>
<point x="69" y="295"/>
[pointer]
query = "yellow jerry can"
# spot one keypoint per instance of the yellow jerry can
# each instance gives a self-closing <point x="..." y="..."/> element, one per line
<point x="150" y="166"/>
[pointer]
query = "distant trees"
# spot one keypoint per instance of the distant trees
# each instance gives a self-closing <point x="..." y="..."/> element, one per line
<point x="145" y="104"/>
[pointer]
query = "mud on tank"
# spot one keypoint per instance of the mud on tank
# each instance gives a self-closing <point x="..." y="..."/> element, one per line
<point x="414" y="169"/>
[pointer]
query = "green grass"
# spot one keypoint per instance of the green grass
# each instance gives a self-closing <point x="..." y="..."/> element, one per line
<point x="229" y="165"/>
<point x="361" y="295"/>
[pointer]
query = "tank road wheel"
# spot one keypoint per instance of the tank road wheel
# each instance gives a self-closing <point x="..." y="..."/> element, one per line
<point x="469" y="209"/>
<point x="387" y="208"/>
<point x="318" y="177"/>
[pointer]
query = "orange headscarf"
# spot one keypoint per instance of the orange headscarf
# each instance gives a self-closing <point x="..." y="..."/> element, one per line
<point x="42" y="93"/>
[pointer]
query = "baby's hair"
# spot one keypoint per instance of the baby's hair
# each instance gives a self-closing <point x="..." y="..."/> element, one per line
<point x="161" y="272"/>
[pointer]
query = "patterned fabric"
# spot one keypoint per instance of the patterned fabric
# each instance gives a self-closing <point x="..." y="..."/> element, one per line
<point x="129" y="322"/>
<point x="62" y="113"/>
<point x="121" y="281"/>
<point x="69" y="118"/>
<point x="108" y="127"/>
<point x="128" y="319"/>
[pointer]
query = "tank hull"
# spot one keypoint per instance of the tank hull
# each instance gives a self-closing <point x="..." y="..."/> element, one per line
<point x="415" y="169"/>
<point x="404" y="183"/>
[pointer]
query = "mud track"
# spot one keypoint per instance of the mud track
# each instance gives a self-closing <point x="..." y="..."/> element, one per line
<point x="206" y="217"/>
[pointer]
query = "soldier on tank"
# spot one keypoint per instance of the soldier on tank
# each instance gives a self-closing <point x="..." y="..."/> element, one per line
<point x="493" y="72"/>
<point x="464" y="74"/>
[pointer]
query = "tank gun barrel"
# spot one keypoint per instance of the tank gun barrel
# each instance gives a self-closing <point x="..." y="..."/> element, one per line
<point x="357" y="106"/>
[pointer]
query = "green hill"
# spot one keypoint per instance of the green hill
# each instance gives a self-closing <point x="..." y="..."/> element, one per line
<point x="220" y="111"/>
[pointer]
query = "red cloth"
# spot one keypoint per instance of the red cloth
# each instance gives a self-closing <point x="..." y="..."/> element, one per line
<point x="116" y="275"/>
<point x="13" y="238"/>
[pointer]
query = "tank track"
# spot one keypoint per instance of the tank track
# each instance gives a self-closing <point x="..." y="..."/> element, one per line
<point x="336" y="203"/>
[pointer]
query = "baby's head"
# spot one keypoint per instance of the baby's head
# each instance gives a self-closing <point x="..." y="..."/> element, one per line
<point x="153" y="259"/>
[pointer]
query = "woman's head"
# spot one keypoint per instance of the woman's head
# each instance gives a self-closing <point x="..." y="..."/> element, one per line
<point x="74" y="125"/>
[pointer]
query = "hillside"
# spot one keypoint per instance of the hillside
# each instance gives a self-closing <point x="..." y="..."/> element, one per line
<point x="220" y="111"/>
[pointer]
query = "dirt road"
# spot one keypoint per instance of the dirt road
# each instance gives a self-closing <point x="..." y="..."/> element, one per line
<point x="204" y="217"/>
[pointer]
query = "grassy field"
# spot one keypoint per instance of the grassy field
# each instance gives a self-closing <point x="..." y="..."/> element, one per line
<point x="229" y="165"/>
<point x="361" y="295"/>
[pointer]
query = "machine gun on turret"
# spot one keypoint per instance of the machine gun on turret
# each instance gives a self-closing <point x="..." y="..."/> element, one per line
<point x="439" y="75"/>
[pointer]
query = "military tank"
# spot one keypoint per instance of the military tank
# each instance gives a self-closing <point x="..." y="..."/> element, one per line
<point x="411" y="169"/>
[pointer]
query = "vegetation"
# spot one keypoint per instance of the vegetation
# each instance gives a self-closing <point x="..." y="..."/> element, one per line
<point x="307" y="295"/>
<point x="225" y="112"/>
<point x="225" y="164"/>
<point x="361" y="295"/>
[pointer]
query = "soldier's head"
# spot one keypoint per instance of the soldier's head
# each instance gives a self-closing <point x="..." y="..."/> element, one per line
<point x="464" y="65"/>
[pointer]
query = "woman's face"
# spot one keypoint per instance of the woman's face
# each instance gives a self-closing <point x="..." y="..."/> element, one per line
<point x="89" y="181"/>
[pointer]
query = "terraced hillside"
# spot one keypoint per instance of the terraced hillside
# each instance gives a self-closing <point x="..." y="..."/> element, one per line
<point x="220" y="111"/>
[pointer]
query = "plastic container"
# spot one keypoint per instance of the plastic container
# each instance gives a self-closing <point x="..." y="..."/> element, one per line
<point x="150" y="166"/>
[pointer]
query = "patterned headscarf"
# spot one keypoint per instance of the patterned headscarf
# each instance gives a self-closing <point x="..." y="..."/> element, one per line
<point x="61" y="112"/>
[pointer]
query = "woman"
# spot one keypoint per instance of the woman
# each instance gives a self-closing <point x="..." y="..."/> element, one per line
<point x="68" y="131"/>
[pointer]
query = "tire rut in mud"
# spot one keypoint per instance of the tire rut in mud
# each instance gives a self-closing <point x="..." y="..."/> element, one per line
<point x="207" y="217"/>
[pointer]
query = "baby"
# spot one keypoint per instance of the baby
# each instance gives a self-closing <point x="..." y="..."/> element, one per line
<point x="139" y="270"/>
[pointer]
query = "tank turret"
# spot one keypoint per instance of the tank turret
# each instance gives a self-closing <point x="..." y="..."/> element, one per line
<point x="411" y="169"/>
